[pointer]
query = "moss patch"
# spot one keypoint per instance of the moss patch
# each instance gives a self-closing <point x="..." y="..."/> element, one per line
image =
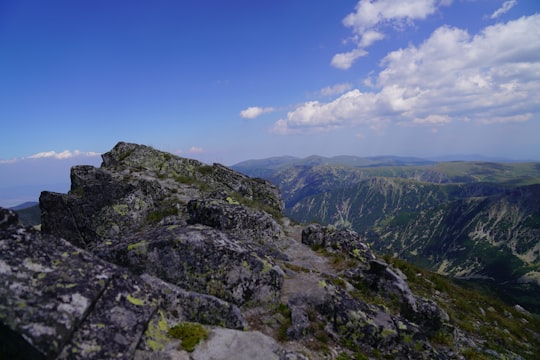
<point x="189" y="333"/>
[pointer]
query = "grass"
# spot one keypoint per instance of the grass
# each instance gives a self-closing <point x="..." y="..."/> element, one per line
<point x="255" y="204"/>
<point x="189" y="333"/>
<point x="157" y="215"/>
<point x="285" y="311"/>
<point x="479" y="314"/>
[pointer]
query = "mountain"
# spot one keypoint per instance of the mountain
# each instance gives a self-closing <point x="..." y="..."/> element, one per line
<point x="29" y="213"/>
<point x="25" y="205"/>
<point x="266" y="167"/>
<point x="471" y="220"/>
<point x="154" y="256"/>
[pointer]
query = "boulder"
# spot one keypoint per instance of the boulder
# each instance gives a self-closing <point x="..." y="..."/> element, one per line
<point x="345" y="240"/>
<point x="200" y="259"/>
<point x="59" y="300"/>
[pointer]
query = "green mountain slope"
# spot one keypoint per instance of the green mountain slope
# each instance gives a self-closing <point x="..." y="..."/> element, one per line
<point x="29" y="213"/>
<point x="471" y="220"/>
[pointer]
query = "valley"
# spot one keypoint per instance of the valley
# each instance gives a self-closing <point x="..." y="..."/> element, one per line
<point x="474" y="221"/>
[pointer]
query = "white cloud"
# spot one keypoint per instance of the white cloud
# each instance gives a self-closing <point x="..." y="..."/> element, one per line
<point x="315" y="116"/>
<point x="369" y="37"/>
<point x="345" y="60"/>
<point x="507" y="119"/>
<point x="255" y="111"/>
<point x="433" y="120"/>
<point x="196" y="150"/>
<point x="370" y="16"/>
<point x="506" y="6"/>
<point x="8" y="161"/>
<point x="66" y="154"/>
<point x="370" y="13"/>
<point x="490" y="77"/>
<point x="335" y="89"/>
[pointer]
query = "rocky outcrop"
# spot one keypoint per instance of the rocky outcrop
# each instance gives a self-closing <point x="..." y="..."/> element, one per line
<point x="357" y="320"/>
<point x="59" y="301"/>
<point x="201" y="259"/>
<point x="134" y="210"/>
<point x="344" y="240"/>
<point x="132" y="266"/>
<point x="150" y="243"/>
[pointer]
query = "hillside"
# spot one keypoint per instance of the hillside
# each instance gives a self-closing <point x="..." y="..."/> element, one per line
<point x="154" y="256"/>
<point x="470" y="220"/>
<point x="29" y="213"/>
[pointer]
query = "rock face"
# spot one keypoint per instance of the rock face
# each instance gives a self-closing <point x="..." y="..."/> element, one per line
<point x="150" y="241"/>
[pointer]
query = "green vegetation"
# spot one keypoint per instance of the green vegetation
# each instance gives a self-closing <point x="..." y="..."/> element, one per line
<point x="461" y="218"/>
<point x="255" y="204"/>
<point x="478" y="171"/>
<point x="157" y="215"/>
<point x="205" y="169"/>
<point x="503" y="327"/>
<point x="189" y="333"/>
<point x="285" y="311"/>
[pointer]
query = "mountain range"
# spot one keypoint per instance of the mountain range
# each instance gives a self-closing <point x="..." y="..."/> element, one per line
<point x="155" y="256"/>
<point x="472" y="220"/>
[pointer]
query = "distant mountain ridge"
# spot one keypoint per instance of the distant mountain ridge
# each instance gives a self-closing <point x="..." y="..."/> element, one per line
<point x="278" y="162"/>
<point x="24" y="205"/>
<point x="468" y="219"/>
<point x="29" y="213"/>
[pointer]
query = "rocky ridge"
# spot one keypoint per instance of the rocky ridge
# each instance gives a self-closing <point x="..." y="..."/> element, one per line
<point x="151" y="243"/>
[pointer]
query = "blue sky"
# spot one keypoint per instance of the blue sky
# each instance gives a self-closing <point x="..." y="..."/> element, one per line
<point x="226" y="81"/>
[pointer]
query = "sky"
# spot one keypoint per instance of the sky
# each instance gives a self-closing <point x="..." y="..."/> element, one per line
<point x="227" y="81"/>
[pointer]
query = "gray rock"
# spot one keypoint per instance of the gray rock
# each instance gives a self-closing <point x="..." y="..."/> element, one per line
<point x="59" y="301"/>
<point x="230" y="215"/>
<point x="48" y="288"/>
<point x="196" y="307"/>
<point x="133" y="211"/>
<point x="201" y="259"/>
<point x="344" y="240"/>
<point x="8" y="218"/>
<point x="224" y="344"/>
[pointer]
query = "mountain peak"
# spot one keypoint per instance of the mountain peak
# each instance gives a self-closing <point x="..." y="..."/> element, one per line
<point x="157" y="256"/>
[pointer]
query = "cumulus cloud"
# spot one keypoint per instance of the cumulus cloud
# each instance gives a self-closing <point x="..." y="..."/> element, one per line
<point x="490" y="77"/>
<point x="337" y="89"/>
<point x="506" y="6"/>
<point x="255" y="111"/>
<point x="353" y="106"/>
<point x="370" y="17"/>
<point x="66" y="154"/>
<point x="345" y="60"/>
